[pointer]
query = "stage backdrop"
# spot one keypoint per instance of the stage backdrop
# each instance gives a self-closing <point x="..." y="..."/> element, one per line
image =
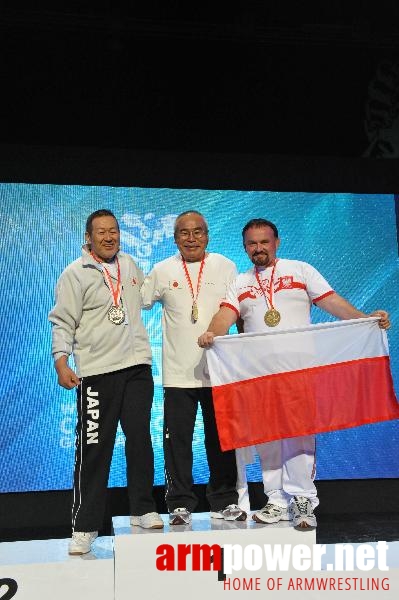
<point x="351" y="239"/>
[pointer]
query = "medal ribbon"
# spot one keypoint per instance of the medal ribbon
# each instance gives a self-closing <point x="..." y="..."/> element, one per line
<point x="268" y="297"/>
<point x="187" y="274"/>
<point x="116" y="292"/>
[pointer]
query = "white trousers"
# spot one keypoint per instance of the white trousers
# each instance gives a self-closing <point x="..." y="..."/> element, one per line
<point x="288" y="469"/>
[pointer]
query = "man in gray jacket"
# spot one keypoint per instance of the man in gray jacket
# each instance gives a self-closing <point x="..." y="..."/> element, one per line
<point x="97" y="318"/>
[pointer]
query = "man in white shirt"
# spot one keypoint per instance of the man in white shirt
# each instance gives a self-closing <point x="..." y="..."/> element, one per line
<point x="190" y="286"/>
<point x="279" y="293"/>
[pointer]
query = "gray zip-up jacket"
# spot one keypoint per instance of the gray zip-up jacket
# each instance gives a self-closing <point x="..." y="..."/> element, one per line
<point x="80" y="323"/>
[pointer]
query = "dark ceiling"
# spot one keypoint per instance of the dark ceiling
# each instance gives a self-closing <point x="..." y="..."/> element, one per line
<point x="257" y="76"/>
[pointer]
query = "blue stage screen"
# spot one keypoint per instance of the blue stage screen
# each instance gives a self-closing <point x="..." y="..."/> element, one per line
<point x="350" y="238"/>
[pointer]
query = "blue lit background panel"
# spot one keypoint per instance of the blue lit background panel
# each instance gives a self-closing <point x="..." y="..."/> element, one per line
<point x="350" y="238"/>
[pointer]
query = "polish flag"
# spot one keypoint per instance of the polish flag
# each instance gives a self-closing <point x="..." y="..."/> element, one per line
<point x="281" y="384"/>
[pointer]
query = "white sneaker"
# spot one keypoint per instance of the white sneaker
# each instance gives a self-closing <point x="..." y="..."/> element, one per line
<point x="302" y="513"/>
<point x="232" y="512"/>
<point x="272" y="513"/>
<point x="81" y="542"/>
<point x="180" y="516"/>
<point x="150" y="520"/>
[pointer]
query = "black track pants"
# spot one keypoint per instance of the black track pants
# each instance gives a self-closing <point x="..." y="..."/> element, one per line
<point x="180" y="410"/>
<point x="103" y="401"/>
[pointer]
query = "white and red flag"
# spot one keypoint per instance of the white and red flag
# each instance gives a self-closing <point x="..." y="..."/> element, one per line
<point x="280" y="384"/>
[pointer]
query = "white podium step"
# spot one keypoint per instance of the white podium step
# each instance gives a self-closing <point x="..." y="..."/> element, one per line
<point x="43" y="570"/>
<point x="179" y="551"/>
<point x="172" y="564"/>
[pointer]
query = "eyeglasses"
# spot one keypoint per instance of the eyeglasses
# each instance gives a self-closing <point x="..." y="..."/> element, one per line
<point x="197" y="233"/>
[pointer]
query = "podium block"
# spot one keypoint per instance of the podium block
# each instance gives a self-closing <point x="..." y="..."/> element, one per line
<point x="43" y="570"/>
<point x="137" y="563"/>
<point x="139" y="553"/>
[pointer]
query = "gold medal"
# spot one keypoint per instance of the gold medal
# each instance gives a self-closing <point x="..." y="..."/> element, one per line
<point x="272" y="317"/>
<point x="194" y="312"/>
<point x="194" y="307"/>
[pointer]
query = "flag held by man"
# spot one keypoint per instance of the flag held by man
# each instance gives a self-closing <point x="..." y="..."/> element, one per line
<point x="313" y="379"/>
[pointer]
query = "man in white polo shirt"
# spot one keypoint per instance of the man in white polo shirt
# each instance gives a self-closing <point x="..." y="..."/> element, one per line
<point x="190" y="286"/>
<point x="278" y="293"/>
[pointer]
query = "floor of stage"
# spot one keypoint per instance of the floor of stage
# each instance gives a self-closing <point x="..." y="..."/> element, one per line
<point x="332" y="529"/>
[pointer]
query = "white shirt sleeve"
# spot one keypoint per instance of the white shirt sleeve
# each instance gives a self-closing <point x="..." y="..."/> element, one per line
<point x="316" y="286"/>
<point x="149" y="290"/>
<point x="231" y="299"/>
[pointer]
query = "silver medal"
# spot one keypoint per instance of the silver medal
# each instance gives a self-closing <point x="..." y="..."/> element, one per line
<point x="116" y="315"/>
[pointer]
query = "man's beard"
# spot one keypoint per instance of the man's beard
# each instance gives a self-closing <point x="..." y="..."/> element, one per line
<point x="261" y="260"/>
